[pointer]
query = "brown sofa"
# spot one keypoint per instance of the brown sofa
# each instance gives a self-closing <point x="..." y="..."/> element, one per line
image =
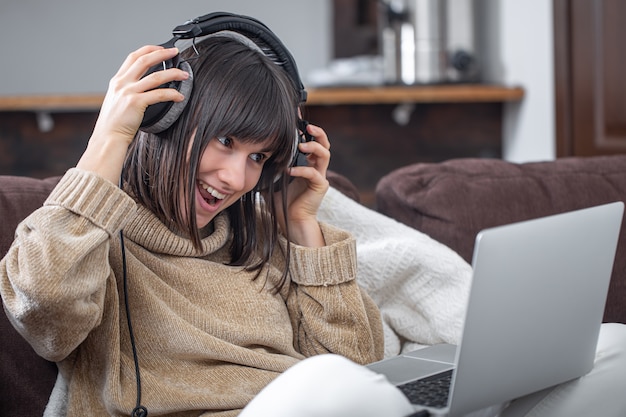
<point x="453" y="200"/>
<point x="450" y="201"/>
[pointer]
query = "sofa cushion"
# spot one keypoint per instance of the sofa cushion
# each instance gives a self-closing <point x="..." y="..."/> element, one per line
<point x="344" y="185"/>
<point x="452" y="201"/>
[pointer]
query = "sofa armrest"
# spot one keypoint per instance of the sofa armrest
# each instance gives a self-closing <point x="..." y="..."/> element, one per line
<point x="452" y="201"/>
<point x="27" y="378"/>
<point x="344" y="185"/>
<point x="20" y="196"/>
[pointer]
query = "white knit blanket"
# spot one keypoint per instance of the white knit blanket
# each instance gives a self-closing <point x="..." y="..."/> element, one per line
<point x="420" y="285"/>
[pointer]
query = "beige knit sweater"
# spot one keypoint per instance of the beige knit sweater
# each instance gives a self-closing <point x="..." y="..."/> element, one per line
<point x="208" y="336"/>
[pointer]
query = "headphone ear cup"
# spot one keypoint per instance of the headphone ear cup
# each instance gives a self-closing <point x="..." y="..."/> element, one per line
<point x="160" y="116"/>
<point x="302" y="135"/>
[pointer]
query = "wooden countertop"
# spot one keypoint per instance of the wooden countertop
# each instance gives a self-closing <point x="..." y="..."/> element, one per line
<point x="78" y="102"/>
<point x="317" y="96"/>
<point x="451" y="93"/>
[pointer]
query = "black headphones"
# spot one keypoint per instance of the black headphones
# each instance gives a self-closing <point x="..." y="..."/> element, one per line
<point x="255" y="34"/>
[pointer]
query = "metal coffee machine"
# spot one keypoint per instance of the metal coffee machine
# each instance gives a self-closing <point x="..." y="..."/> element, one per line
<point x="428" y="41"/>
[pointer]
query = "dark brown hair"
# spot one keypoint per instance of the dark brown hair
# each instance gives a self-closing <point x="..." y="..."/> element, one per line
<point x="237" y="92"/>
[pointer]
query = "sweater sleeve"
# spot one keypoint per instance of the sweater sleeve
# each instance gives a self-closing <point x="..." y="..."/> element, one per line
<point x="330" y="313"/>
<point x="53" y="277"/>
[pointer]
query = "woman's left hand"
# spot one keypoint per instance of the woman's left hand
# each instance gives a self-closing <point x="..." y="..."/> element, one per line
<point x="307" y="190"/>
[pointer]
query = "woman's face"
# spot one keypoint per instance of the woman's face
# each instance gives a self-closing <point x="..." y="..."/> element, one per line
<point x="227" y="170"/>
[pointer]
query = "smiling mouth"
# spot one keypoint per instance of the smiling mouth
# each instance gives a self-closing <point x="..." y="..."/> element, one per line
<point x="210" y="194"/>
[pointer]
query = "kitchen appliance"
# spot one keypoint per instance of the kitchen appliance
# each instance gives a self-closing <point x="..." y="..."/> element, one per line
<point x="428" y="41"/>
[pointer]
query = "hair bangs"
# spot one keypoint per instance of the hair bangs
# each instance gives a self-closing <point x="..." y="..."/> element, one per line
<point x="262" y="112"/>
<point x="247" y="97"/>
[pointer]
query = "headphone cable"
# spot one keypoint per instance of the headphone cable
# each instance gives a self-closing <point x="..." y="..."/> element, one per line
<point x="139" y="410"/>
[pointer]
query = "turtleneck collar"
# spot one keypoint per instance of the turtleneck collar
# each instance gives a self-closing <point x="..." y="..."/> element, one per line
<point x="148" y="231"/>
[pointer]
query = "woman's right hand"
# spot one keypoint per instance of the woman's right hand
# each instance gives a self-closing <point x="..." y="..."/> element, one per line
<point x="123" y="108"/>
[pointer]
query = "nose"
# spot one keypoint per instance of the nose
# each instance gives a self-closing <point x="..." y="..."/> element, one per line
<point x="233" y="173"/>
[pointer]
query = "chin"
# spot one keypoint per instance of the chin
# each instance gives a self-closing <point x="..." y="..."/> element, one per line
<point x="203" y="222"/>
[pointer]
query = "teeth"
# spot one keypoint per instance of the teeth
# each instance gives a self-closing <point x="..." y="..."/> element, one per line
<point x="212" y="191"/>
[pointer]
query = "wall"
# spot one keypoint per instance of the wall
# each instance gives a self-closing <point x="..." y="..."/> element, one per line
<point x="518" y="50"/>
<point x="75" y="46"/>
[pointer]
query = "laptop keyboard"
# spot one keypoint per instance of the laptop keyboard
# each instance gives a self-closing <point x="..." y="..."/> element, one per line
<point x="432" y="391"/>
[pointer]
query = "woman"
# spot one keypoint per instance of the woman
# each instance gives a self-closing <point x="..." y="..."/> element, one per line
<point x="208" y="246"/>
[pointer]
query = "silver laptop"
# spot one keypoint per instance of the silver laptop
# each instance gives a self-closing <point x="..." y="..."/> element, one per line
<point x="533" y="316"/>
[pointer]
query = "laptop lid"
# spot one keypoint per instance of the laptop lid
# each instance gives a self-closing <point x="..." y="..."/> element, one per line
<point x="535" y="307"/>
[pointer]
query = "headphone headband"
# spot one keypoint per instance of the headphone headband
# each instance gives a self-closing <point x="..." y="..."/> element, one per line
<point x="160" y="116"/>
<point x="250" y="28"/>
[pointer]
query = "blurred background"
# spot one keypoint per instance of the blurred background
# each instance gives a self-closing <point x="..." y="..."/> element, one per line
<point x="551" y="61"/>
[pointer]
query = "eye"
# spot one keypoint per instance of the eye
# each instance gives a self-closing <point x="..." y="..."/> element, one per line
<point x="225" y="141"/>
<point x="258" y="157"/>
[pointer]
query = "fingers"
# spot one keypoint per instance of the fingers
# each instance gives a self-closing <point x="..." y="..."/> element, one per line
<point x="130" y="92"/>
<point x="154" y="78"/>
<point x="320" y="135"/>
<point x="138" y="62"/>
<point x="130" y="76"/>
<point x="318" y="154"/>
<point x="152" y="94"/>
<point x="134" y="56"/>
<point x="306" y="193"/>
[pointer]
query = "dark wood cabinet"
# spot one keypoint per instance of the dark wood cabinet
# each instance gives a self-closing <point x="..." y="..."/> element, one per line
<point x="442" y="122"/>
